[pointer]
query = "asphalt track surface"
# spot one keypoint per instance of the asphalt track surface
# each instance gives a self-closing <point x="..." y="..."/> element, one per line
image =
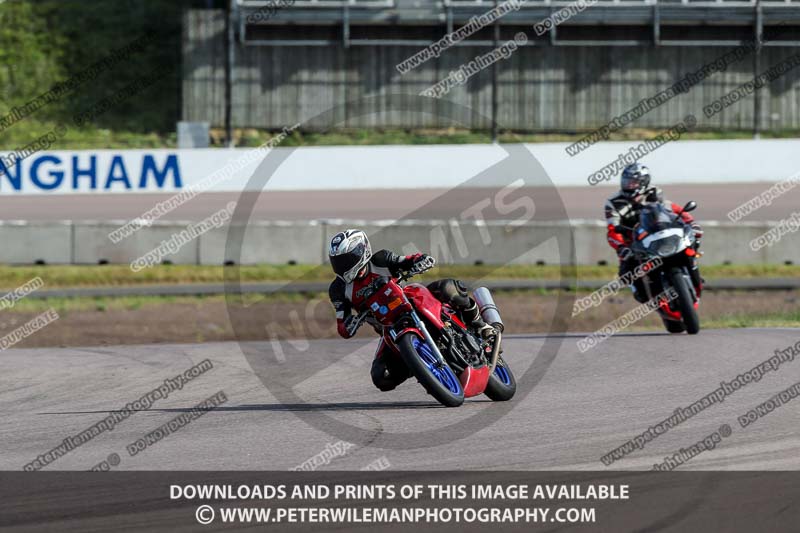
<point x="715" y="201"/>
<point x="584" y="406"/>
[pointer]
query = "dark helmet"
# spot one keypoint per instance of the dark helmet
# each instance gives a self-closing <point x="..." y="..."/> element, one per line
<point x="635" y="179"/>
<point x="349" y="253"/>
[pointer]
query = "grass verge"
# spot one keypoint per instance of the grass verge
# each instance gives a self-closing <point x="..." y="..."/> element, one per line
<point x="756" y="318"/>
<point x="95" y="137"/>
<point x="61" y="276"/>
<point x="789" y="319"/>
<point x="190" y="319"/>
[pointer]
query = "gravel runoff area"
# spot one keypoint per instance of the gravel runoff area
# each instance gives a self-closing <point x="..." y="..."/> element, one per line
<point x="195" y="319"/>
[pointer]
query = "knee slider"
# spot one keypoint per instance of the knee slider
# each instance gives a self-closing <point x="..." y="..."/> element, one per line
<point x="379" y="377"/>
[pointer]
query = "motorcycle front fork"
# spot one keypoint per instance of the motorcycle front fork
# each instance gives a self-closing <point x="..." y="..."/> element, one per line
<point x="694" y="276"/>
<point x="420" y="325"/>
<point x="697" y="279"/>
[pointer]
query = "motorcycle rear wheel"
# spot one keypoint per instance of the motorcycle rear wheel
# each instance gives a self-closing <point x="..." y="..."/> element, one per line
<point x="685" y="301"/>
<point x="502" y="386"/>
<point x="439" y="381"/>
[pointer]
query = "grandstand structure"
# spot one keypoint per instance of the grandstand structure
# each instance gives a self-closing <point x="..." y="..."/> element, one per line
<point x="604" y="23"/>
<point x="273" y="63"/>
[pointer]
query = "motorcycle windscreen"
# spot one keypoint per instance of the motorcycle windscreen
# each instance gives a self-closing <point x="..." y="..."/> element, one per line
<point x="656" y="217"/>
<point x="664" y="234"/>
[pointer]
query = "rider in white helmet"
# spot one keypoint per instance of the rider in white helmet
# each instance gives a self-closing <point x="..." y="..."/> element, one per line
<point x="356" y="267"/>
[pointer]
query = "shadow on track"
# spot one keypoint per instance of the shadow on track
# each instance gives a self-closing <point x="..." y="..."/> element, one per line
<point x="279" y="407"/>
<point x="583" y="335"/>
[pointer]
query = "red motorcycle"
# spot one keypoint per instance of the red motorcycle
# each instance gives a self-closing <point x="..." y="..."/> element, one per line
<point x="448" y="360"/>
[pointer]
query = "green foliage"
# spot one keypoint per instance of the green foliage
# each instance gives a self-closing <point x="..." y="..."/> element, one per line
<point x="43" y="43"/>
<point x="29" y="54"/>
<point x="254" y="137"/>
<point x="94" y="28"/>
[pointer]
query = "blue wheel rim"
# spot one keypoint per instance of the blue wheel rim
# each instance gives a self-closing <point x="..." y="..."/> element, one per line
<point x="444" y="374"/>
<point x="501" y="372"/>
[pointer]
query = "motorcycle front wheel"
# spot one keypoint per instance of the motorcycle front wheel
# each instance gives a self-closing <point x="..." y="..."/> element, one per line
<point x="685" y="301"/>
<point x="437" y="379"/>
<point x="673" y="326"/>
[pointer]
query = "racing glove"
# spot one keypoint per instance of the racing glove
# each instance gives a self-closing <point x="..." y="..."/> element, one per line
<point x="372" y="321"/>
<point x="698" y="231"/>
<point x="652" y="195"/>
<point x="422" y="263"/>
<point x="353" y="322"/>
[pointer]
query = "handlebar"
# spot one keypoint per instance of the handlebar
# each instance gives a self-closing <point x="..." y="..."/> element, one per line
<point x="405" y="276"/>
<point x="408" y="274"/>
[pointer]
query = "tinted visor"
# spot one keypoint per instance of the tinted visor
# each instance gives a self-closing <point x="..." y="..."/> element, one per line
<point x="631" y="184"/>
<point x="343" y="263"/>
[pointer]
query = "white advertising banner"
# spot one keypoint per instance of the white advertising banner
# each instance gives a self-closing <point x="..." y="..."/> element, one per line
<point x="384" y="167"/>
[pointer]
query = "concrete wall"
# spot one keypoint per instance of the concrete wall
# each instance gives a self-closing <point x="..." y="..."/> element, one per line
<point x="494" y="242"/>
<point x="48" y="242"/>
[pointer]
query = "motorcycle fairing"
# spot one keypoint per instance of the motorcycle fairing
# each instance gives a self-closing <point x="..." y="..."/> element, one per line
<point x="474" y="380"/>
<point x="425" y="303"/>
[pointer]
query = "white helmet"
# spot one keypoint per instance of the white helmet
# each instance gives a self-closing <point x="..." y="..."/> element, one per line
<point x="349" y="252"/>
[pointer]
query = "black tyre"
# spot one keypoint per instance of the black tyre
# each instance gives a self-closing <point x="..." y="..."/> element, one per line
<point x="685" y="302"/>
<point x="673" y="326"/>
<point x="440" y="381"/>
<point x="502" y="386"/>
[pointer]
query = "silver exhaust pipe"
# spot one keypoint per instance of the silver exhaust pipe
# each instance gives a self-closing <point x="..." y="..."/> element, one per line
<point x="487" y="307"/>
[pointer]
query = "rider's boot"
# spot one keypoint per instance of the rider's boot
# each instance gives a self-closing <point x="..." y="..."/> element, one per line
<point x="472" y="318"/>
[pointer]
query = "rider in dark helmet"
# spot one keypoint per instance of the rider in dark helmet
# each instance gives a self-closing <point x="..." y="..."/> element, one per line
<point x="356" y="267"/>
<point x="622" y="212"/>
